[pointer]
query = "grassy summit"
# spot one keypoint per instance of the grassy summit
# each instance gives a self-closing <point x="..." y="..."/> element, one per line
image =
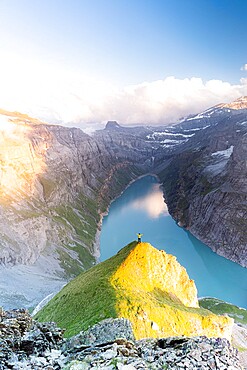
<point x="142" y="284"/>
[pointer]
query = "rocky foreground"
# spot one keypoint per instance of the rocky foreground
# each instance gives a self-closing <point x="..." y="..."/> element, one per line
<point x="27" y="344"/>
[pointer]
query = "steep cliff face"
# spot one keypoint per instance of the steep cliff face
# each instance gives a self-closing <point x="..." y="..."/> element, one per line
<point x="54" y="184"/>
<point x="39" y="169"/>
<point x="205" y="186"/>
<point x="142" y="284"/>
<point x="128" y="143"/>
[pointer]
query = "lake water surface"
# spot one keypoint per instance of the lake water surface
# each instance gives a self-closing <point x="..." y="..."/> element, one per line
<point x="141" y="209"/>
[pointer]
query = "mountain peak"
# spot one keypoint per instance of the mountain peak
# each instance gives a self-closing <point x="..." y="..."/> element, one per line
<point x="240" y="103"/>
<point x="112" y="125"/>
<point x="142" y="284"/>
<point x="20" y="118"/>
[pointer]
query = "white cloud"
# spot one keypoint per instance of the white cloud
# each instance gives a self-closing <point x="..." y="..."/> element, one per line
<point x="244" y="67"/>
<point x="167" y="100"/>
<point x="153" y="203"/>
<point x="58" y="95"/>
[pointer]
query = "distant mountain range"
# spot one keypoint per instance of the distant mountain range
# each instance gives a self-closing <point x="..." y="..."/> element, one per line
<point x="56" y="182"/>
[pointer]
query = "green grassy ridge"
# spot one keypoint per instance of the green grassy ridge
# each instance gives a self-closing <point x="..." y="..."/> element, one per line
<point x="220" y="307"/>
<point x="91" y="298"/>
<point x="87" y="299"/>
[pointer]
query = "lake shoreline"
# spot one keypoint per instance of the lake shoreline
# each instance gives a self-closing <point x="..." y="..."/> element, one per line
<point x="96" y="245"/>
<point x="215" y="276"/>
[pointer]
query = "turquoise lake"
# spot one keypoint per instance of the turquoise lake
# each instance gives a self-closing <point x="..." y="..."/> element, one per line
<point x="141" y="209"/>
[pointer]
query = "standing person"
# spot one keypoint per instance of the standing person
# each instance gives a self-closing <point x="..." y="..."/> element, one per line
<point x="139" y="237"/>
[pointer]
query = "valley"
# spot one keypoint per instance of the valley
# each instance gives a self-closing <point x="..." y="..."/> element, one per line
<point x="56" y="182"/>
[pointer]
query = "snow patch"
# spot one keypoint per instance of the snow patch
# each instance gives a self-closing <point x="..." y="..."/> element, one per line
<point x="5" y="123"/>
<point x="217" y="168"/>
<point x="173" y="142"/>
<point x="221" y="158"/>
<point x="193" y="129"/>
<point x="224" y="153"/>
<point x="156" y="135"/>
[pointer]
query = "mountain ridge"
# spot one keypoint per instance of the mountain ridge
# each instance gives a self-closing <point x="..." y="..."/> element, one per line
<point x="63" y="180"/>
<point x="144" y="285"/>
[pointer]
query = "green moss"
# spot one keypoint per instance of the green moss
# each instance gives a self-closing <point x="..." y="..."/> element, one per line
<point x="87" y="299"/>
<point x="220" y="308"/>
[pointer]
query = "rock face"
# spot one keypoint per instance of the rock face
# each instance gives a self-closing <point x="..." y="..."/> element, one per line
<point x="144" y="285"/>
<point x="205" y="185"/>
<point x="54" y="181"/>
<point x="54" y="184"/>
<point x="202" y="164"/>
<point x="26" y="344"/>
<point x="240" y="103"/>
<point x="166" y="353"/>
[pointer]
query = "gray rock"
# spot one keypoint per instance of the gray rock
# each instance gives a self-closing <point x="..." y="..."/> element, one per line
<point x="205" y="185"/>
<point x="26" y="344"/>
<point x="107" y="330"/>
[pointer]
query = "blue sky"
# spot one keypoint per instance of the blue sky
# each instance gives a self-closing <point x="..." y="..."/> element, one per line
<point x="123" y="53"/>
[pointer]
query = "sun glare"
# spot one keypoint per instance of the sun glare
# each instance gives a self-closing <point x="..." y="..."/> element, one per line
<point x="20" y="163"/>
<point x="6" y="124"/>
<point x="153" y="203"/>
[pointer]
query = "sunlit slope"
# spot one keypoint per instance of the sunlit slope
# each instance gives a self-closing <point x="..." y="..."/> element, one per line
<point x="220" y="307"/>
<point x="55" y="182"/>
<point x="40" y="212"/>
<point x="21" y="160"/>
<point x="142" y="284"/>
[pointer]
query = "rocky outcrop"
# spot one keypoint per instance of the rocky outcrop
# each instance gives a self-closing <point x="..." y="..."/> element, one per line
<point x="205" y="186"/>
<point x="166" y="353"/>
<point x="54" y="184"/>
<point x="26" y="344"/>
<point x="141" y="284"/>
<point x="240" y="103"/>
